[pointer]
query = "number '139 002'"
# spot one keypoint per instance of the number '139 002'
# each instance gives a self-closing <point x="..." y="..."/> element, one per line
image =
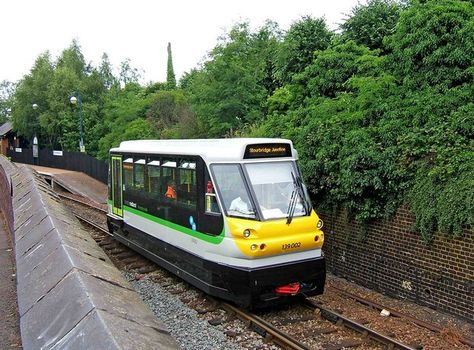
<point x="290" y="245"/>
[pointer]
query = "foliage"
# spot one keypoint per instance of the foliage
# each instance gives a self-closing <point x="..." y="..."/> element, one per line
<point x="170" y="77"/>
<point x="434" y="44"/>
<point x="128" y="74"/>
<point x="382" y="113"/>
<point x="296" y="52"/>
<point x="171" y="115"/>
<point x="106" y="72"/>
<point x="331" y="69"/>
<point x="32" y="89"/>
<point x="7" y="90"/>
<point x="229" y="91"/>
<point x="377" y="129"/>
<point x="123" y="108"/>
<point x="370" y="23"/>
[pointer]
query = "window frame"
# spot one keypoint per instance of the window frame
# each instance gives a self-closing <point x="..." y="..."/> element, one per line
<point x="246" y="184"/>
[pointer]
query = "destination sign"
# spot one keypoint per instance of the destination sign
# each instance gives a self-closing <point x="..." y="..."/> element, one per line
<point x="267" y="150"/>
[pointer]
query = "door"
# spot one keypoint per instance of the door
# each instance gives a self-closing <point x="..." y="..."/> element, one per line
<point x="117" y="194"/>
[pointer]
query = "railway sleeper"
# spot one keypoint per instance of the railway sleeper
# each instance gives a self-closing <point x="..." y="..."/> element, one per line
<point x="146" y="269"/>
<point x="346" y="343"/>
<point x="288" y="321"/>
<point x="134" y="265"/>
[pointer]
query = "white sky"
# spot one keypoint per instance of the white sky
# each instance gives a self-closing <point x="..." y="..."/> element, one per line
<point x="140" y="29"/>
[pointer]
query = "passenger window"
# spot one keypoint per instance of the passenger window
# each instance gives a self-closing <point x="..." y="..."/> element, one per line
<point x="153" y="173"/>
<point x="168" y="180"/>
<point x="187" y="182"/>
<point x="211" y="206"/>
<point x="128" y="174"/>
<point x="139" y="173"/>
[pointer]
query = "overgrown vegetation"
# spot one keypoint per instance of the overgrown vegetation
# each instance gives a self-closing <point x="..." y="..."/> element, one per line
<point x="381" y="112"/>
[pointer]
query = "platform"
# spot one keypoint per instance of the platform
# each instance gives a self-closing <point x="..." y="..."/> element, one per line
<point x="76" y="182"/>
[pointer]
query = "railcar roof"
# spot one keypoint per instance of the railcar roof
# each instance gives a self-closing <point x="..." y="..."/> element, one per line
<point x="209" y="149"/>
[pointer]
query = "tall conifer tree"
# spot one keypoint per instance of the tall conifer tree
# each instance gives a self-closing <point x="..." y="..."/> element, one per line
<point x="170" y="77"/>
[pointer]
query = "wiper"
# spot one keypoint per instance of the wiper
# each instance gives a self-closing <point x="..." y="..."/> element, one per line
<point x="291" y="207"/>
<point x="297" y="191"/>
<point x="299" y="187"/>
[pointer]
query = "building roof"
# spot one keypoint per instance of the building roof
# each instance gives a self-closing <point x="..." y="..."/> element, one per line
<point x="5" y="128"/>
<point x="211" y="150"/>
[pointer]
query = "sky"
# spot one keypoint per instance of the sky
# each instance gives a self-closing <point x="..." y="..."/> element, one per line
<point x="140" y="30"/>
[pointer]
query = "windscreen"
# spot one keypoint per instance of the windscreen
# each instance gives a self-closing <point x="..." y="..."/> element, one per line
<point x="276" y="190"/>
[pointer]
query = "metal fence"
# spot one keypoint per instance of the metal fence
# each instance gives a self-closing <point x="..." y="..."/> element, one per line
<point x="75" y="161"/>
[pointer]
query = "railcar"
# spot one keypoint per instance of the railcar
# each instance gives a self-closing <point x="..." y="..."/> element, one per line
<point x="230" y="216"/>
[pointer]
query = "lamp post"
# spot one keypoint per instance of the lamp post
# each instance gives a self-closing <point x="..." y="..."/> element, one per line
<point x="77" y="100"/>
<point x="35" y="141"/>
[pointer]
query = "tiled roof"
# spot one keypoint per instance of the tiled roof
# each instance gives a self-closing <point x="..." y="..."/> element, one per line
<point x="5" y="128"/>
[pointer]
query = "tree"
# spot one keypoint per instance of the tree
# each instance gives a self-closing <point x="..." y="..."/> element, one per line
<point x="230" y="90"/>
<point x="7" y="90"/>
<point x="128" y="74"/>
<point x="329" y="72"/>
<point x="122" y="107"/>
<point x="105" y="72"/>
<point x="32" y="89"/>
<point x="434" y="44"/>
<point x="166" y="109"/>
<point x="170" y="78"/>
<point x="73" y="59"/>
<point x="59" y="122"/>
<point x="369" y="24"/>
<point x="299" y="45"/>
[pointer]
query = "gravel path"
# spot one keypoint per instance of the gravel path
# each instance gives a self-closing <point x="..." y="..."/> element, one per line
<point x="9" y="320"/>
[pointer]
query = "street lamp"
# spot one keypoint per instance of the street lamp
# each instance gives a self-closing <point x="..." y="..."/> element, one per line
<point x="35" y="141"/>
<point x="77" y="100"/>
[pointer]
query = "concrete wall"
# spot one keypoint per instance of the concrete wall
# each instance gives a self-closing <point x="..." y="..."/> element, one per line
<point x="391" y="258"/>
<point x="70" y="296"/>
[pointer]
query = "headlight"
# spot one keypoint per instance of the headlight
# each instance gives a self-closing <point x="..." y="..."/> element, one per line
<point x="253" y="247"/>
<point x="320" y="224"/>
<point x="247" y="233"/>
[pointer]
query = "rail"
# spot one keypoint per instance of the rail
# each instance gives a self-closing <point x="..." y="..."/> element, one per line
<point x="378" y="337"/>
<point x="421" y="323"/>
<point x="265" y="329"/>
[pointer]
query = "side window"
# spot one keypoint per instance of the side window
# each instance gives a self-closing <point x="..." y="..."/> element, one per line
<point x="233" y="191"/>
<point x="139" y="174"/>
<point x="168" y="179"/>
<point x="186" y="187"/>
<point x="211" y="206"/>
<point x="154" y="178"/>
<point x="109" y="180"/>
<point x="128" y="174"/>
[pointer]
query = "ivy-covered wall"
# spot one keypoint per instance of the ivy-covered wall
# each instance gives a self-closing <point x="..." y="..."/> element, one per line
<point x="389" y="257"/>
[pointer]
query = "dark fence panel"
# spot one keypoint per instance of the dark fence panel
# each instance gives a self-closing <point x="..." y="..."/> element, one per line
<point x="75" y="161"/>
<point x="25" y="156"/>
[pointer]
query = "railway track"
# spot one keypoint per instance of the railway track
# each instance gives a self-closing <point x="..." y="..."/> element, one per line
<point x="82" y="201"/>
<point x="337" y="318"/>
<point x="127" y="259"/>
<point x="264" y="328"/>
<point x="286" y="341"/>
<point x="98" y="227"/>
<point x="430" y="326"/>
